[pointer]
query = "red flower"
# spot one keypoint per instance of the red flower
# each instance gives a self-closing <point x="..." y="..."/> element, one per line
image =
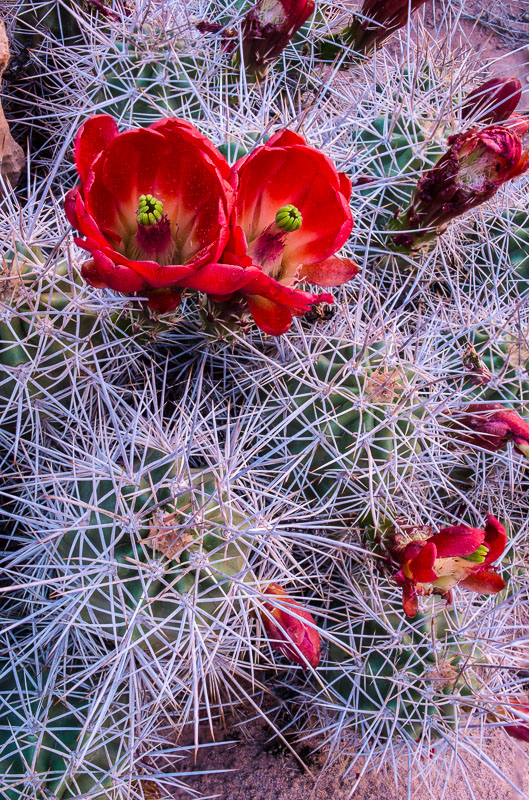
<point x="291" y="215"/>
<point x="476" y="164"/>
<point x="492" y="426"/>
<point x="288" y="633"/>
<point x="267" y="29"/>
<point x="457" y="555"/>
<point x="493" y="101"/>
<point x="520" y="730"/>
<point x="152" y="207"/>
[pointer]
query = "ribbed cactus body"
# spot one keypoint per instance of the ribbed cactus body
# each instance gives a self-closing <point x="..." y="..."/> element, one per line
<point x="504" y="251"/>
<point x="393" y="152"/>
<point x="46" y="747"/>
<point x="506" y="358"/>
<point x="140" y="85"/>
<point x="165" y="562"/>
<point x="51" y="339"/>
<point x="349" y="423"/>
<point x="405" y="677"/>
<point x="51" y="17"/>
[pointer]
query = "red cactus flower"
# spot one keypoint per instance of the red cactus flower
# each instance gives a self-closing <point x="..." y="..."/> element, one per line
<point x="457" y="555"/>
<point x="288" y="632"/>
<point x="268" y="27"/>
<point x="493" y="101"/>
<point x="152" y="207"/>
<point x="520" y="728"/>
<point x="476" y="164"/>
<point x="492" y="426"/>
<point x="291" y="216"/>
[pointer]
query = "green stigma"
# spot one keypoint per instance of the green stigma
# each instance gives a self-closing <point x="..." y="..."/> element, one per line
<point x="288" y="219"/>
<point x="479" y="555"/>
<point x="150" y="210"/>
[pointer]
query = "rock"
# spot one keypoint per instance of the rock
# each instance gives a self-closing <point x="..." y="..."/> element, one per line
<point x="12" y="158"/>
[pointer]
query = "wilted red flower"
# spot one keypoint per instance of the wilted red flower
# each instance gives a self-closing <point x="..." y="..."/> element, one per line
<point x="378" y="20"/>
<point x="520" y="728"/>
<point x="268" y="27"/>
<point x="492" y="426"/>
<point x="477" y="163"/>
<point x="457" y="555"/>
<point x="153" y="207"/>
<point x="493" y="101"/>
<point x="291" y="215"/>
<point x="285" y="625"/>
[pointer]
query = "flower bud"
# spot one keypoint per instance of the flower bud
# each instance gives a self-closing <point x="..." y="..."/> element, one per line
<point x="493" y="101"/>
<point x="476" y="164"/>
<point x="492" y="426"/>
<point x="267" y="29"/>
<point x="479" y="373"/>
<point x="376" y="22"/>
<point x="520" y="729"/>
<point x="289" y="632"/>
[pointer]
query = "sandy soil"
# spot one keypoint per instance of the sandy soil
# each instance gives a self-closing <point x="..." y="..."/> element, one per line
<point x="254" y="766"/>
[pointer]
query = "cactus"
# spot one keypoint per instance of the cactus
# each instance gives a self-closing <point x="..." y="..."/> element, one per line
<point x="349" y="422"/>
<point x="138" y="81"/>
<point x="399" y="679"/>
<point x="499" y="245"/>
<point x="52" y="337"/>
<point x="142" y="595"/>
<point x="497" y="366"/>
<point x="46" y="743"/>
<point x="161" y="495"/>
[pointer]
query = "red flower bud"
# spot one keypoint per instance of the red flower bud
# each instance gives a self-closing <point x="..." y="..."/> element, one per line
<point x="493" y="101"/>
<point x="476" y="164"/>
<point x="457" y="555"/>
<point x="492" y="426"/>
<point x="378" y="20"/>
<point x="286" y="626"/>
<point x="267" y="29"/>
<point x="520" y="730"/>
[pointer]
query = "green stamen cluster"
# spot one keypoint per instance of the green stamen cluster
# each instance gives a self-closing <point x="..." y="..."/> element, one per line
<point x="288" y="219"/>
<point x="150" y="210"/>
<point x="479" y="555"/>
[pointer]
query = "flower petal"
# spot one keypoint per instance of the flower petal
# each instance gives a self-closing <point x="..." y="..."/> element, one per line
<point x="495" y="539"/>
<point x="271" y="317"/>
<point x="70" y="202"/>
<point x="333" y="271"/>
<point x="410" y="601"/>
<point x="116" y="276"/>
<point x="93" y="136"/>
<point x="218" y="279"/>
<point x="421" y="565"/>
<point x="163" y="300"/>
<point x="484" y="582"/>
<point x="457" y="540"/>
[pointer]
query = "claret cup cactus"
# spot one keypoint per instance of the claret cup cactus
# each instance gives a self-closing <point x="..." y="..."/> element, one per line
<point x="192" y="520"/>
<point x="153" y="232"/>
<point x="348" y="423"/>
<point x="48" y="746"/>
<point x="166" y="559"/>
<point x="391" y="678"/>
